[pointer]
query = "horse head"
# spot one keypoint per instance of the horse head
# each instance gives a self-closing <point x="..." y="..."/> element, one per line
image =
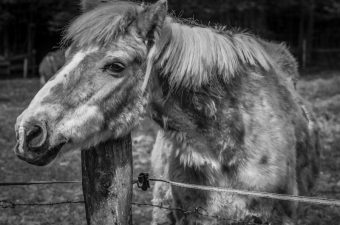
<point x="98" y="93"/>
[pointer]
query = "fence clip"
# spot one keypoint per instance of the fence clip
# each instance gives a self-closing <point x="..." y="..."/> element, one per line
<point x="143" y="181"/>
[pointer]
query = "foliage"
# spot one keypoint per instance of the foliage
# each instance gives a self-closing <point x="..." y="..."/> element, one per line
<point x="329" y="8"/>
<point x="54" y="14"/>
<point x="286" y="20"/>
<point x="4" y="17"/>
<point x="57" y="13"/>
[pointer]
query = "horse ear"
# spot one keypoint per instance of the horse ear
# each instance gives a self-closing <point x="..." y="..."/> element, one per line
<point x="151" y="19"/>
<point x="87" y="5"/>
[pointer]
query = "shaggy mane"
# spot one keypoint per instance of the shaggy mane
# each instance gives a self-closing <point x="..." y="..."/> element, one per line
<point x="191" y="56"/>
<point x="103" y="24"/>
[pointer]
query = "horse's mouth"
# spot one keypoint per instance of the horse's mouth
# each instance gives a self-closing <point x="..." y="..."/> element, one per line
<point x="40" y="157"/>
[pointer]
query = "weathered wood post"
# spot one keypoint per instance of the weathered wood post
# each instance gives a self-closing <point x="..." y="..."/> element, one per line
<point x="107" y="182"/>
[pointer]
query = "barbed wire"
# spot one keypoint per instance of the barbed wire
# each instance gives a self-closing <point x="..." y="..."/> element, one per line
<point x="143" y="182"/>
<point x="10" y="204"/>
<point x="38" y="183"/>
<point x="200" y="211"/>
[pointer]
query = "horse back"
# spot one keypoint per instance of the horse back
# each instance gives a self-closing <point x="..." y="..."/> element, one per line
<point x="304" y="120"/>
<point x="306" y="128"/>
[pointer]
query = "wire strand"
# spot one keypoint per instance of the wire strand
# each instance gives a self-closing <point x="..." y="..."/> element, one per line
<point x="284" y="197"/>
<point x="197" y="210"/>
<point x="10" y="204"/>
<point x="38" y="183"/>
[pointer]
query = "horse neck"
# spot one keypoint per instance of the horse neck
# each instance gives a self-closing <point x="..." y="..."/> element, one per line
<point x="190" y="111"/>
<point x="207" y="122"/>
<point x="192" y="56"/>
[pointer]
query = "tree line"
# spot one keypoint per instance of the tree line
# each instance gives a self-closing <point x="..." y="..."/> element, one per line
<point x="309" y="27"/>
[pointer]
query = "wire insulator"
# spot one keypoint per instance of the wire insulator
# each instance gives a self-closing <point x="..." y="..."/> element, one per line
<point x="143" y="181"/>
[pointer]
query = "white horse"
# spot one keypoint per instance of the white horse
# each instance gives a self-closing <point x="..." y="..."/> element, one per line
<point x="225" y="100"/>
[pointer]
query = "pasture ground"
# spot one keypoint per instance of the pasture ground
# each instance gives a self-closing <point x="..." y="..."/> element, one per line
<point x="321" y="89"/>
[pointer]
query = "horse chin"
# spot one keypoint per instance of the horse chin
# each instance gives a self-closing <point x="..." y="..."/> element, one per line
<point x="40" y="157"/>
<point x="94" y="140"/>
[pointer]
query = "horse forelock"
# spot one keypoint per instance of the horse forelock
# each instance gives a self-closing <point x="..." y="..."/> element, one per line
<point x="102" y="25"/>
<point x="192" y="56"/>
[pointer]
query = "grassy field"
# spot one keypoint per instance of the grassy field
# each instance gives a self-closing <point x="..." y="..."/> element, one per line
<point x="322" y="90"/>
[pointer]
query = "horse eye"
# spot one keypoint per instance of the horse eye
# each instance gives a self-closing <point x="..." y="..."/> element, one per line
<point x="114" y="68"/>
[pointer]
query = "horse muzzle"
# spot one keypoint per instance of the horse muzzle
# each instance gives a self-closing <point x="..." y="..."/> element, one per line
<point x="33" y="143"/>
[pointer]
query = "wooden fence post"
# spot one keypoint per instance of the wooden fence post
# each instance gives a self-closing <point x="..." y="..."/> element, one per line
<point x="107" y="182"/>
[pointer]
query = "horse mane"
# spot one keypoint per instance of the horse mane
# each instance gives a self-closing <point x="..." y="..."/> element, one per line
<point x="191" y="56"/>
<point x="188" y="54"/>
<point x="101" y="25"/>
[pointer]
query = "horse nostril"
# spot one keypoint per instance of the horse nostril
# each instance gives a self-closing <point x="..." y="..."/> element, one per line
<point x="36" y="136"/>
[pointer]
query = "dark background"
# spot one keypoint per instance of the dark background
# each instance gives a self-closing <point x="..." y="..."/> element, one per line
<point x="309" y="27"/>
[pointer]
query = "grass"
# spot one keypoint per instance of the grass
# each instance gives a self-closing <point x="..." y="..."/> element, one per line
<point x="321" y="89"/>
<point x="324" y="95"/>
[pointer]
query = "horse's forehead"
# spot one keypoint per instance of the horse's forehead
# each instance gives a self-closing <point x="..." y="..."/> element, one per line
<point x="124" y="46"/>
<point x="67" y="76"/>
<point x="62" y="75"/>
<point x="74" y="62"/>
<point x="78" y="57"/>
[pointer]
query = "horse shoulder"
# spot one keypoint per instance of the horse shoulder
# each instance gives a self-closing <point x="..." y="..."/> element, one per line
<point x="307" y="145"/>
<point x="269" y="143"/>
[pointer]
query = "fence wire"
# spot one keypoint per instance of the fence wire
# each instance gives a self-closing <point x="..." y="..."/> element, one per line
<point x="143" y="183"/>
<point x="37" y="183"/>
<point x="10" y="204"/>
<point x="199" y="211"/>
<point x="284" y="197"/>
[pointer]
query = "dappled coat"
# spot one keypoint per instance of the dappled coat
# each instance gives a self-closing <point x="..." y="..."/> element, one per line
<point x="225" y="100"/>
<point x="174" y="157"/>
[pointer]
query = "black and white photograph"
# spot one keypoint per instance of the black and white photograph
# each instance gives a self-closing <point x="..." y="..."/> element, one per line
<point x="169" y="112"/>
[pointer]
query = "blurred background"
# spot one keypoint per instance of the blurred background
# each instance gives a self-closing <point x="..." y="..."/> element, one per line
<point x="31" y="29"/>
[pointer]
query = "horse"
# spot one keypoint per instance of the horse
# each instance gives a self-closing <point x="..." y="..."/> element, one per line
<point x="50" y="64"/>
<point x="225" y="100"/>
